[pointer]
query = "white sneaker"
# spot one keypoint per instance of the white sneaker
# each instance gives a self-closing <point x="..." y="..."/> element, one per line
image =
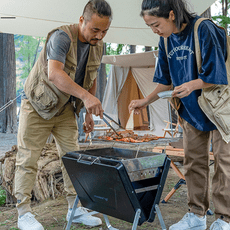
<point x="190" y="221"/>
<point x="220" y="225"/>
<point x="86" y="220"/>
<point x="28" y="222"/>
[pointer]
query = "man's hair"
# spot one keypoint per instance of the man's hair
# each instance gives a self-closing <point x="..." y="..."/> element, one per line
<point x="162" y="8"/>
<point x="99" y="7"/>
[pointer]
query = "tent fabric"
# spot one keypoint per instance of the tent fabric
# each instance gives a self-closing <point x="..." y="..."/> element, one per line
<point x="38" y="17"/>
<point x="131" y="91"/>
<point x="144" y="79"/>
<point x="146" y="59"/>
<point x="159" y="109"/>
<point x="115" y="83"/>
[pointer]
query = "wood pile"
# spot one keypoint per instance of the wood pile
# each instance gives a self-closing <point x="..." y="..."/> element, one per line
<point x="169" y="150"/>
<point x="49" y="181"/>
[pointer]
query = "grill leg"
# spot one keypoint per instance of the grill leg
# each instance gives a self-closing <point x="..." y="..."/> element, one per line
<point x="136" y="219"/>
<point x="108" y="223"/>
<point x="160" y="217"/>
<point x="72" y="213"/>
<point x="135" y="222"/>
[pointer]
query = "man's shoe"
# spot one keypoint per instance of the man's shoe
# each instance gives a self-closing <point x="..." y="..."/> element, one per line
<point x="28" y="222"/>
<point x="89" y="220"/>
<point x="190" y="221"/>
<point x="220" y="225"/>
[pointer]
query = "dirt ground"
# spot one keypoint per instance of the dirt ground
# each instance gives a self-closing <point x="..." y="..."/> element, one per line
<point x="51" y="213"/>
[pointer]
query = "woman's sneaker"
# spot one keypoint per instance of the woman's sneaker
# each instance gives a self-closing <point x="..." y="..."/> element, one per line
<point x="89" y="220"/>
<point x="28" y="222"/>
<point x="190" y="221"/>
<point x="220" y="225"/>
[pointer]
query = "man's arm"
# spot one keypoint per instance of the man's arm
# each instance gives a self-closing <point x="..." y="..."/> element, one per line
<point x="63" y="82"/>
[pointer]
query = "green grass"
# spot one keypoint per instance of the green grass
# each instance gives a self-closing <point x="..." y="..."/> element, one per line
<point x="2" y="196"/>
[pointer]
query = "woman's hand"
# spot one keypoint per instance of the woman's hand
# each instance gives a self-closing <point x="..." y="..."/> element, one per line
<point x="137" y="105"/>
<point x="183" y="90"/>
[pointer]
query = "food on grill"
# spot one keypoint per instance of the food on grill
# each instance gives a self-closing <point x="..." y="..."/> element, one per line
<point x="128" y="136"/>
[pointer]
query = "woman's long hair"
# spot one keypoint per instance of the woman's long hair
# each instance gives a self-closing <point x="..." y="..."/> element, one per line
<point x="162" y="8"/>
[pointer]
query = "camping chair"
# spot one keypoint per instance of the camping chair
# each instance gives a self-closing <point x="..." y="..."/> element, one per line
<point x="99" y="125"/>
<point x="172" y="129"/>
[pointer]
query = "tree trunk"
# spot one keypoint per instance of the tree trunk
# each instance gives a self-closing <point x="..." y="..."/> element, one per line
<point x="101" y="79"/>
<point x="8" y="117"/>
<point x="132" y="49"/>
<point x="225" y="10"/>
<point x="148" y="48"/>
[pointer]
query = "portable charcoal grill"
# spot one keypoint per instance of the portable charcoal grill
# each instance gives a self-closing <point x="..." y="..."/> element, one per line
<point x="122" y="183"/>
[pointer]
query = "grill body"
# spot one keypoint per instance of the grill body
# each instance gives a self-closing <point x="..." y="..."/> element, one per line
<point x="117" y="182"/>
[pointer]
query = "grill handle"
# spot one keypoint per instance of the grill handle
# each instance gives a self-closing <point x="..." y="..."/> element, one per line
<point x="86" y="162"/>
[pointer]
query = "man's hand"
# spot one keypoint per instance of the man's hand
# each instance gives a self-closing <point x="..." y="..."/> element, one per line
<point x="93" y="105"/>
<point x="88" y="124"/>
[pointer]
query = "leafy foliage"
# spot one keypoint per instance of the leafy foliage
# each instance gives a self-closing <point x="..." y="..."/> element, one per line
<point x="114" y="50"/>
<point x="27" y="49"/>
<point x="222" y="20"/>
<point x="2" y="196"/>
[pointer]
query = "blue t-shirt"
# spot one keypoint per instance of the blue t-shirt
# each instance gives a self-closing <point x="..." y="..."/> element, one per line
<point x="181" y="67"/>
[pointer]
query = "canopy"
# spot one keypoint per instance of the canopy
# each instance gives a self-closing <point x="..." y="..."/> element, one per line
<point x="38" y="17"/>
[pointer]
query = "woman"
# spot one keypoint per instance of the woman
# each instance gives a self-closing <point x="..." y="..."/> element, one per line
<point x="177" y="66"/>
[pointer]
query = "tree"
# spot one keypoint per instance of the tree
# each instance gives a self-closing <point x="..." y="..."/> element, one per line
<point x="8" y="117"/>
<point x="27" y="51"/>
<point x="148" y="48"/>
<point x="132" y="49"/>
<point x="223" y="20"/>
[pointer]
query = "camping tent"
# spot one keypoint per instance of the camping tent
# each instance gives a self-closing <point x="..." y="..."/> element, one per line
<point x="131" y="77"/>
<point x="38" y="17"/>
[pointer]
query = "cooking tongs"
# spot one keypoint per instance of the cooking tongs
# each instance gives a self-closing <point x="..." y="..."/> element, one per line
<point x="107" y="123"/>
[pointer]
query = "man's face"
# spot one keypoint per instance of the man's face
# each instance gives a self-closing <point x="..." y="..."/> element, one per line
<point x="93" y="30"/>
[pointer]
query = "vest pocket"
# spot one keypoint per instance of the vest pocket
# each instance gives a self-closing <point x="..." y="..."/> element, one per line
<point x="218" y="95"/>
<point x="222" y="118"/>
<point x="44" y="97"/>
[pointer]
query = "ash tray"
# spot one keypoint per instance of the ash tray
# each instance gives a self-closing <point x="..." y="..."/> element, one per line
<point x="165" y="94"/>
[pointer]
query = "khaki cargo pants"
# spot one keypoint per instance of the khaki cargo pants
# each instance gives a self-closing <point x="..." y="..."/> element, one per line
<point x="33" y="133"/>
<point x="196" y="164"/>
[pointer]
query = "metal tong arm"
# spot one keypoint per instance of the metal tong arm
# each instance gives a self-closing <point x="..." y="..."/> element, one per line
<point x="113" y="120"/>
<point x="107" y="123"/>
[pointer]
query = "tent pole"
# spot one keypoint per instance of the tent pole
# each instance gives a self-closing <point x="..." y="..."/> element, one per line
<point x="170" y="117"/>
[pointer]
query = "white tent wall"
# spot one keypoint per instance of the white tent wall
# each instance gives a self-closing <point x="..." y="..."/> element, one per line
<point x="143" y="75"/>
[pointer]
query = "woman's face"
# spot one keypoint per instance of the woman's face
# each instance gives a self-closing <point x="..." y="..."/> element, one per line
<point x="161" y="26"/>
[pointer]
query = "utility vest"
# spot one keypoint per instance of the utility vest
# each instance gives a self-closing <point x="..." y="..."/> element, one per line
<point x="43" y="95"/>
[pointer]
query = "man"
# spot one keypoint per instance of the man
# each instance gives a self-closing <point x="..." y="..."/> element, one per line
<point x="61" y="82"/>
